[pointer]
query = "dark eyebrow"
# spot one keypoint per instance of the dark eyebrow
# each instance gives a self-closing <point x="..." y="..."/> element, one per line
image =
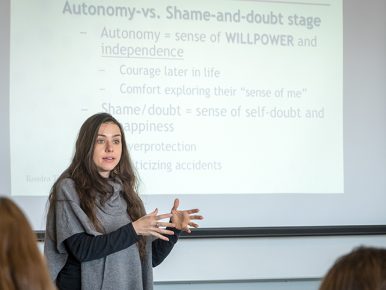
<point x="116" y="135"/>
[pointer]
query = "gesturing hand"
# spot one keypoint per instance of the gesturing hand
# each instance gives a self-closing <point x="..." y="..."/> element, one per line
<point x="182" y="219"/>
<point x="150" y="225"/>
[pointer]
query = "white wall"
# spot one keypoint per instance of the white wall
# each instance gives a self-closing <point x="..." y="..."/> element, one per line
<point x="243" y="285"/>
<point x="257" y="258"/>
<point x="254" y="263"/>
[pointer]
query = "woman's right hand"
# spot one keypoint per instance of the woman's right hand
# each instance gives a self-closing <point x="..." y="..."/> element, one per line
<point x="150" y="225"/>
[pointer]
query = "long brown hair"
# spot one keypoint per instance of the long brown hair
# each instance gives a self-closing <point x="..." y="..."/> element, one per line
<point x="362" y="269"/>
<point x="89" y="183"/>
<point x="22" y="266"/>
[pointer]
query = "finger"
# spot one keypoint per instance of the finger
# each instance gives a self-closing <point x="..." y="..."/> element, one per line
<point x="196" y="217"/>
<point x="176" y="204"/>
<point x="162" y="224"/>
<point x="157" y="235"/>
<point x="154" y="212"/>
<point x="156" y="228"/>
<point x="194" y="210"/>
<point x="165" y="232"/>
<point x="194" y="225"/>
<point x="163" y="216"/>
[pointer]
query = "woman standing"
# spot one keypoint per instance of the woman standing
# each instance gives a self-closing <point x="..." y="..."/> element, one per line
<point x="98" y="234"/>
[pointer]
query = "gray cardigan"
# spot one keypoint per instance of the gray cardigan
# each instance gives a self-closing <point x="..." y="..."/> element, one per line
<point x="121" y="270"/>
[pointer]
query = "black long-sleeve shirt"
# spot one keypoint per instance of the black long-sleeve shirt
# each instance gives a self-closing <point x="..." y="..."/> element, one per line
<point x="83" y="247"/>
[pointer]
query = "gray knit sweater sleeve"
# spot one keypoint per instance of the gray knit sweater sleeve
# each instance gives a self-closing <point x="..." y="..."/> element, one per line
<point x="65" y="220"/>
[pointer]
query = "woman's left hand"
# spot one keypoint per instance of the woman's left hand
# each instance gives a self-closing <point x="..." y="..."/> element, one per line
<point x="182" y="219"/>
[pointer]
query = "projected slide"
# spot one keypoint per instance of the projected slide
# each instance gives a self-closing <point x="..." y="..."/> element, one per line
<point x="215" y="97"/>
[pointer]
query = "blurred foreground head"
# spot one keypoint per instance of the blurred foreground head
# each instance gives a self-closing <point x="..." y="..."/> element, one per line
<point x="22" y="266"/>
<point x="362" y="269"/>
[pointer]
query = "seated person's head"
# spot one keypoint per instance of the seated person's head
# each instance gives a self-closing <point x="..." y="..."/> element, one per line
<point x="22" y="265"/>
<point x="362" y="269"/>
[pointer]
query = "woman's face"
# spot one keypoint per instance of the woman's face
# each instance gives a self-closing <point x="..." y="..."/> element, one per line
<point x="107" y="148"/>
